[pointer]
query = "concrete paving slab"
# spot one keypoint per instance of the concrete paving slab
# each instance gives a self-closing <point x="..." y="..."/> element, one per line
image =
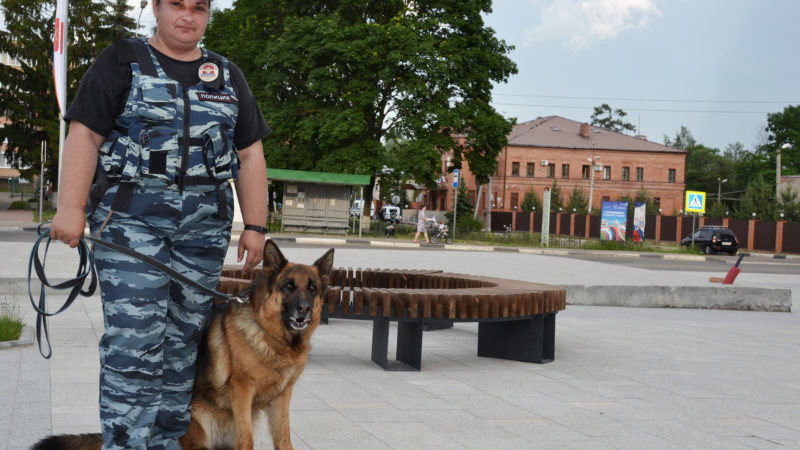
<point x="622" y="377"/>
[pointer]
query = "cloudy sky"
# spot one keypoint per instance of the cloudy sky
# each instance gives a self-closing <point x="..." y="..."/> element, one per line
<point x="715" y="66"/>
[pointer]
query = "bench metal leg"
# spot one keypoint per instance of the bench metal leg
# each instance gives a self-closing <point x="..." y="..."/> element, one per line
<point x="409" y="345"/>
<point x="529" y="340"/>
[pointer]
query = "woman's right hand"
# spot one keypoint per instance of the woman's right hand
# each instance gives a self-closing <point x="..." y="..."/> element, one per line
<point x="68" y="226"/>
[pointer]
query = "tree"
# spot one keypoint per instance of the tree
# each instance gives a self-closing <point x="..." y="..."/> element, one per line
<point x="577" y="201"/>
<point x="531" y="202"/>
<point x="27" y="97"/>
<point x="556" y="202"/>
<point x="335" y="79"/>
<point x="758" y="199"/>
<point x="789" y="204"/>
<point x="464" y="207"/>
<point x="683" y="139"/>
<point x="611" y="119"/>
<point x="717" y="210"/>
<point x="705" y="167"/>
<point x="784" y="128"/>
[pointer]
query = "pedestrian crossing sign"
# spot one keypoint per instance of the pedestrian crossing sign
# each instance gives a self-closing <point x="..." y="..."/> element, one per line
<point x="695" y="201"/>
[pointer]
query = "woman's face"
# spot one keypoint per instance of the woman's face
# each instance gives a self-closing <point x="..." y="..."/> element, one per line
<point x="181" y="23"/>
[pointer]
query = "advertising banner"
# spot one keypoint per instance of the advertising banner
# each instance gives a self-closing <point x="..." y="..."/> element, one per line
<point x="639" y="219"/>
<point x="613" y="220"/>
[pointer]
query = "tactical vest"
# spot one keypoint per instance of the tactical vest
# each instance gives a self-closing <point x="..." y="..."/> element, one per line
<point x="171" y="136"/>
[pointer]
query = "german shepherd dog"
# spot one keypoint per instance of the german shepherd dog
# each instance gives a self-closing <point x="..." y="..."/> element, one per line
<point x="249" y="360"/>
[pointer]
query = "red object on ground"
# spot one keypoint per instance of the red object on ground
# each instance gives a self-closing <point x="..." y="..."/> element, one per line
<point x="733" y="272"/>
<point x="731" y="275"/>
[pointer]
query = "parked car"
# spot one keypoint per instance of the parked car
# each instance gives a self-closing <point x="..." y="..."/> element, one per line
<point x="713" y="238"/>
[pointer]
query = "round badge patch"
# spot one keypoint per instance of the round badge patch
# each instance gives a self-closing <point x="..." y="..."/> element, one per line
<point x="208" y="72"/>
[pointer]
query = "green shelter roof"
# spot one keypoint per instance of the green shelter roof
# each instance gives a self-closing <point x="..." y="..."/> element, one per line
<point x="316" y="177"/>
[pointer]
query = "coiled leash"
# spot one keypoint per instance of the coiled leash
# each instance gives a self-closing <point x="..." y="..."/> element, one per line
<point x="86" y="270"/>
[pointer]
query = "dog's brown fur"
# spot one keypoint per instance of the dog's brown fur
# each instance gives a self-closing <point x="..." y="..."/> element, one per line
<point x="250" y="360"/>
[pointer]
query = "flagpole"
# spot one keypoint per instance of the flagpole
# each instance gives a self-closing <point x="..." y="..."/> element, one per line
<point x="62" y="130"/>
<point x="60" y="79"/>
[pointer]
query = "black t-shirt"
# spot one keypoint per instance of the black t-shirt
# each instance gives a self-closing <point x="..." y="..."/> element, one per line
<point x="105" y="86"/>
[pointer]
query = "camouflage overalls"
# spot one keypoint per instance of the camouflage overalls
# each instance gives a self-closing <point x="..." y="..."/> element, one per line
<point x="169" y="158"/>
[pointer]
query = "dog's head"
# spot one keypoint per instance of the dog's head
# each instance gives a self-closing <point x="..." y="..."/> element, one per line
<point x="292" y="293"/>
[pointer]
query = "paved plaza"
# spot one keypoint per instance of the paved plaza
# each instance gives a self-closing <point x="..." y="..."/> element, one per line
<point x="622" y="377"/>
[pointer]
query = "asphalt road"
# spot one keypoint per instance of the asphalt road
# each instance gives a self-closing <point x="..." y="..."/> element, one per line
<point x="717" y="264"/>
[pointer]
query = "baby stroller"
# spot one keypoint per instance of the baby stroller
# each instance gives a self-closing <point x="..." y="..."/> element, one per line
<point x="440" y="232"/>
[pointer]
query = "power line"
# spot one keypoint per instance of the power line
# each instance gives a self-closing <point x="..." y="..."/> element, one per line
<point x="702" y="111"/>
<point x="639" y="99"/>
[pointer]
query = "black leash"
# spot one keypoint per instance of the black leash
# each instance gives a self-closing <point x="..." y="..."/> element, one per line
<point x="86" y="270"/>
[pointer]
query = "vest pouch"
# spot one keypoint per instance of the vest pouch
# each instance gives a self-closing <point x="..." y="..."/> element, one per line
<point x="120" y="158"/>
<point x="159" y="154"/>
<point x="219" y="153"/>
<point x="159" y="100"/>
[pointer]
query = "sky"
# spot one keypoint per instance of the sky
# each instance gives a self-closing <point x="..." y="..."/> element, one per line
<point x="717" y="67"/>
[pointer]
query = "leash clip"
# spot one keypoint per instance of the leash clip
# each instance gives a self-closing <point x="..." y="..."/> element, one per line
<point x="237" y="299"/>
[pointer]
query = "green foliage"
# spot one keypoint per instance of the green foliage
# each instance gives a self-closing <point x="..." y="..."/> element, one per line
<point x="706" y="167"/>
<point x="10" y="322"/>
<point x="789" y="204"/>
<point x="758" y="199"/>
<point x="531" y="202"/>
<point x="611" y="119"/>
<point x="556" y="201"/>
<point x="336" y="79"/>
<point x="28" y="99"/>
<point x="784" y="128"/>
<point x="683" y="139"/>
<point x="642" y="196"/>
<point x="717" y="210"/>
<point x="578" y="201"/>
<point x="465" y="223"/>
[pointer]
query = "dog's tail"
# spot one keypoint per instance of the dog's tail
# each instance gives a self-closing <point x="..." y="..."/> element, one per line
<point x="70" y="442"/>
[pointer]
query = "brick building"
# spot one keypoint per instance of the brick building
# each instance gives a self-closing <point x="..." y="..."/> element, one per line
<point x="554" y="148"/>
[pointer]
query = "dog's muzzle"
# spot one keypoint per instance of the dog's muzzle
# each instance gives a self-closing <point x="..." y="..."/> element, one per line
<point x="299" y="322"/>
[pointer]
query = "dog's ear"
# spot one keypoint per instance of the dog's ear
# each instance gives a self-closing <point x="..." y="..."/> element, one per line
<point x="324" y="265"/>
<point x="273" y="260"/>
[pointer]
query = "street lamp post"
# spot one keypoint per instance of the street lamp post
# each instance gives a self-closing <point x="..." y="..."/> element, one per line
<point x="591" y="180"/>
<point x="719" y="188"/>
<point x="785" y="146"/>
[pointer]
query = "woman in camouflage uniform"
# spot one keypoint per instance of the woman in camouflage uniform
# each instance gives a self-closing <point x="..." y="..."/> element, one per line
<point x="161" y="126"/>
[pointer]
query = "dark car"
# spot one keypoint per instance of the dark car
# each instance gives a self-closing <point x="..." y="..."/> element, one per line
<point x="714" y="239"/>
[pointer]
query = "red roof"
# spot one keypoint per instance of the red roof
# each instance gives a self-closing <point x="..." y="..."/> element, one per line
<point x="558" y="132"/>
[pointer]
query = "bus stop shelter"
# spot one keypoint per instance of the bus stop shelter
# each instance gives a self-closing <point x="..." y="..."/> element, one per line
<point x="316" y="201"/>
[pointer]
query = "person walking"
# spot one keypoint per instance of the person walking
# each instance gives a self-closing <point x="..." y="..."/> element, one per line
<point x="422" y="227"/>
<point x="157" y="130"/>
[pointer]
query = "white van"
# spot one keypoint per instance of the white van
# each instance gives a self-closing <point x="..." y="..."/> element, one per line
<point x="390" y="213"/>
<point x="358" y="206"/>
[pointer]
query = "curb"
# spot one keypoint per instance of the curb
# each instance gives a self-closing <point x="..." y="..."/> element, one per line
<point x="25" y="338"/>
<point x="530" y="250"/>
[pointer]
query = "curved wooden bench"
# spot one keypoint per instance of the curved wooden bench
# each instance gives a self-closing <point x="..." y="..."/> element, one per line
<point x="516" y="319"/>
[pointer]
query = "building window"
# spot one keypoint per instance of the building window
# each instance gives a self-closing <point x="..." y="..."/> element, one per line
<point x="551" y="170"/>
<point x="671" y="176"/>
<point x="565" y="171"/>
<point x="514" y="201"/>
<point x="530" y="168"/>
<point x="626" y="174"/>
<point x="585" y="172"/>
<point x="657" y="202"/>
<point x="640" y="174"/>
<point x="514" y="169"/>
<point x="606" y="198"/>
<point x="606" y="172"/>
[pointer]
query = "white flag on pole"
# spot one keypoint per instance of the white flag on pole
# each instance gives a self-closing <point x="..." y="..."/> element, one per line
<point x="60" y="55"/>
